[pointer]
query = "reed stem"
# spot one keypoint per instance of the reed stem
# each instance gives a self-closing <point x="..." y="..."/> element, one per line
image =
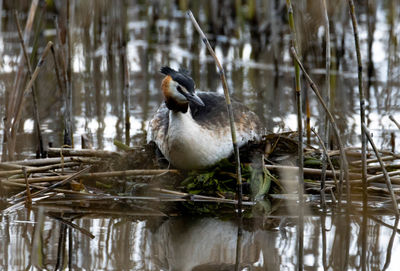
<point x="332" y="121"/>
<point x="325" y="153"/>
<point x="362" y="100"/>
<point x="228" y="105"/>
<point x="325" y="133"/>
<point x="300" y="161"/>
<point x="16" y="117"/>
<point x="68" y="134"/>
<point x="387" y="178"/>
<point x="126" y="95"/>
<point x="40" y="150"/>
<point x="57" y="70"/>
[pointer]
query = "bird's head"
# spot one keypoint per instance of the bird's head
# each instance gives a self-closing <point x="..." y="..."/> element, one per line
<point x="178" y="90"/>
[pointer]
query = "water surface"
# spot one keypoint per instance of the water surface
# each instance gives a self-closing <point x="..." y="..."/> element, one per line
<point x="252" y="41"/>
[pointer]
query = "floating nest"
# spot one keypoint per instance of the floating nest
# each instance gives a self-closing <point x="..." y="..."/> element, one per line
<point x="138" y="179"/>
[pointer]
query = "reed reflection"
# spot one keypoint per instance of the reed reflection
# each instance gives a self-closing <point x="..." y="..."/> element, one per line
<point x="183" y="243"/>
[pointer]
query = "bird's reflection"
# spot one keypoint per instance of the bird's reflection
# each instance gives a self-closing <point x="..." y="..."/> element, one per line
<point x="211" y="244"/>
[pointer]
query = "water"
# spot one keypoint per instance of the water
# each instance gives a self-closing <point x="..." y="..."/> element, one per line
<point x="252" y="41"/>
<point x="331" y="242"/>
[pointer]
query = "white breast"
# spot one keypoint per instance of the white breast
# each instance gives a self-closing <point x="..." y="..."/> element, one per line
<point x="191" y="146"/>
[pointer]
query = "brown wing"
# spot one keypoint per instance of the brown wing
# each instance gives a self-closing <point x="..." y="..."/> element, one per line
<point x="158" y="126"/>
<point x="215" y="115"/>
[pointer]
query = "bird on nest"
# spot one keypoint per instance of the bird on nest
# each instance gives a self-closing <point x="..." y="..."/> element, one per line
<point x="192" y="129"/>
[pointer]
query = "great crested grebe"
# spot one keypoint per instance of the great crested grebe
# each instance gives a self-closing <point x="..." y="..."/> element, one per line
<point x="192" y="130"/>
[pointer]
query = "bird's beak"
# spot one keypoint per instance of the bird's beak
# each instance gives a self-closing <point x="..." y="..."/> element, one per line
<point x="192" y="97"/>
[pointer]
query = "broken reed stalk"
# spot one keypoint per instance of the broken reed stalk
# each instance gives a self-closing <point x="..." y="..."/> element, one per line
<point x="387" y="178"/>
<point x="15" y="96"/>
<point x="20" y="204"/>
<point x="325" y="153"/>
<point x="379" y="176"/>
<point x="102" y="212"/>
<point x="300" y="161"/>
<point x="57" y="70"/>
<point x="362" y="100"/>
<point x="228" y="105"/>
<point x="40" y="187"/>
<point x="333" y="123"/>
<point x="325" y="134"/>
<point x="10" y="166"/>
<point x="65" y="86"/>
<point x="124" y="173"/>
<point x="50" y="161"/>
<point x="62" y="56"/>
<point x="32" y="80"/>
<point x="16" y="93"/>
<point x="66" y="180"/>
<point x="311" y="171"/>
<point x="17" y="114"/>
<point x="83" y="152"/>
<point x="40" y="150"/>
<point x="38" y="169"/>
<point x="374" y="160"/>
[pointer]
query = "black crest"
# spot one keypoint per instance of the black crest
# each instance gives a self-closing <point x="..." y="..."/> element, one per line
<point x="182" y="77"/>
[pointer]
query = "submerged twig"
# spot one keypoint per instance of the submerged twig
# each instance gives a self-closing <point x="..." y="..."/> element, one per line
<point x="228" y="104"/>
<point x="387" y="178"/>
<point x="72" y="225"/>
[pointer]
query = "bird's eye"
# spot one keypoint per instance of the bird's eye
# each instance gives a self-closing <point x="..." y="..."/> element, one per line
<point x="179" y="89"/>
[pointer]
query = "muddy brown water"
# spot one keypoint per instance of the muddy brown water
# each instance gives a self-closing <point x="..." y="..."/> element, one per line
<point x="252" y="41"/>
